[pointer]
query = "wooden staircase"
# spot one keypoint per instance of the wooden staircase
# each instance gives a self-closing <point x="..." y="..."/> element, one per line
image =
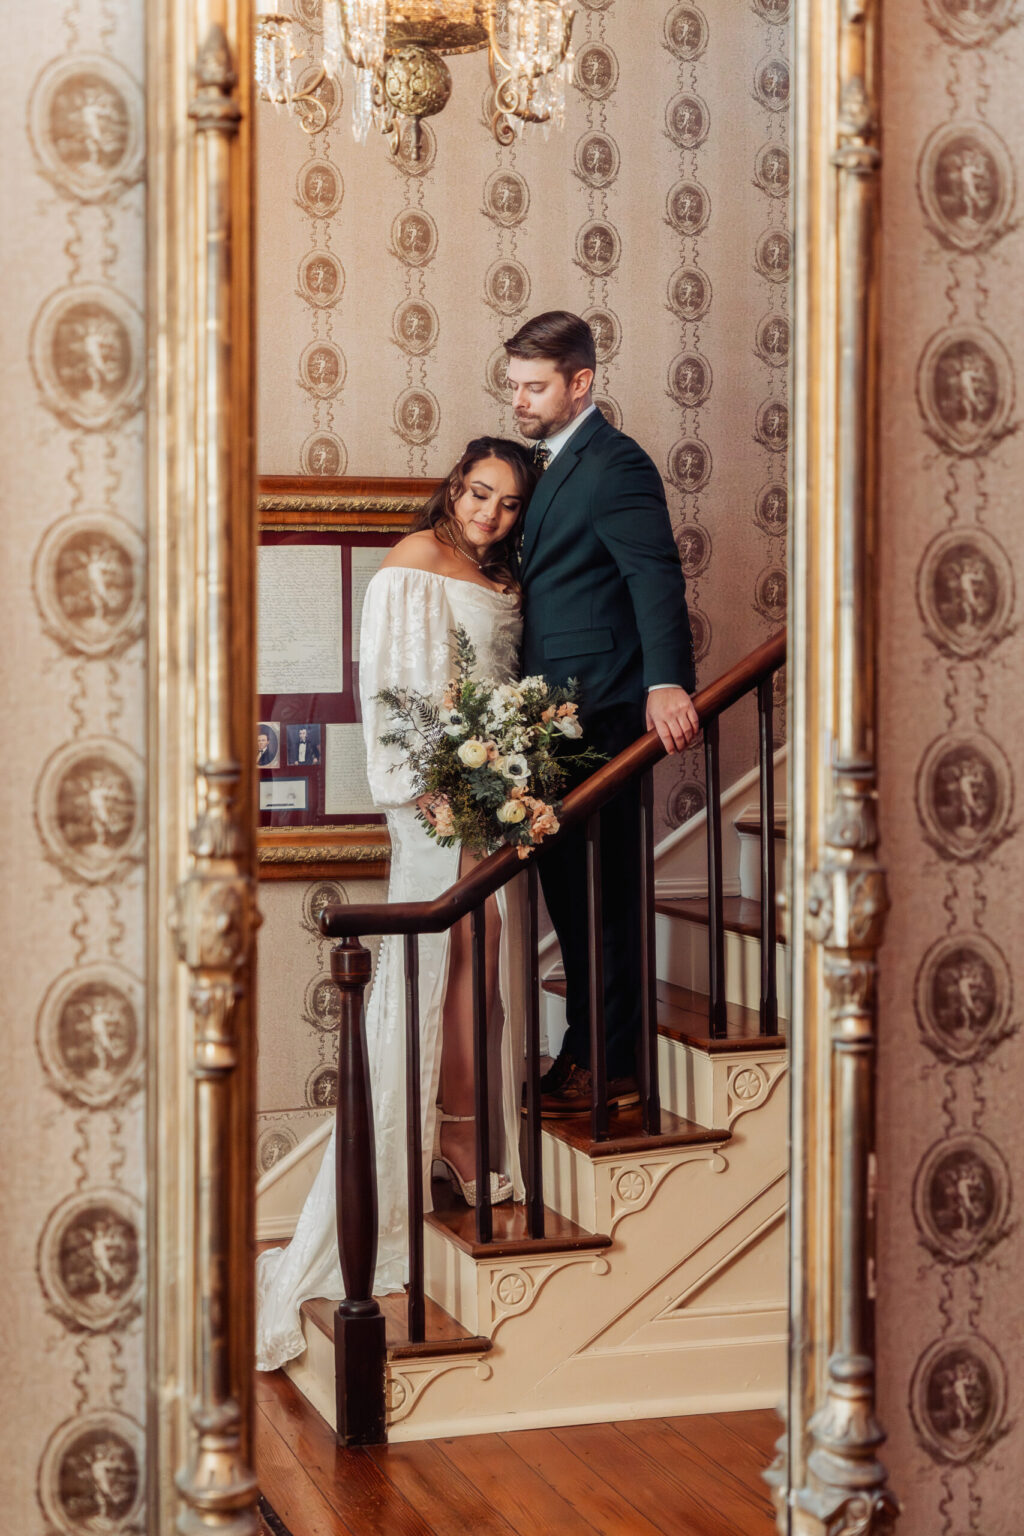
<point x="659" y="1284"/>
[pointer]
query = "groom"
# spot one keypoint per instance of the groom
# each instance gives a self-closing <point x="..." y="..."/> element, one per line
<point x="604" y="602"/>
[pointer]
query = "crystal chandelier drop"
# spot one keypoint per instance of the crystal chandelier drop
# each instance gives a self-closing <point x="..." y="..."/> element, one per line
<point x="396" y="49"/>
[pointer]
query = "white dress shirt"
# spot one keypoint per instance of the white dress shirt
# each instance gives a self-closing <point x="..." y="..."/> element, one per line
<point x="558" y="439"/>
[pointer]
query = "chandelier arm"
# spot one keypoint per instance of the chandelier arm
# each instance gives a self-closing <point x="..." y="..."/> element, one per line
<point x="522" y="108"/>
<point x="312" y="107"/>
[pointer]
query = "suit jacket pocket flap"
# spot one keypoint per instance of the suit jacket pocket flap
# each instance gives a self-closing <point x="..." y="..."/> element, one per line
<point x="578" y="642"/>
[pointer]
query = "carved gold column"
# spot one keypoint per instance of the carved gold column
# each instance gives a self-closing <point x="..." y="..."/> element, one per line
<point x="201" y="735"/>
<point x="844" y="1491"/>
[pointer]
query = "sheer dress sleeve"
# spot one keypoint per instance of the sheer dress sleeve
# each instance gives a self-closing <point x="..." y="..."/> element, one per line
<point x="404" y="642"/>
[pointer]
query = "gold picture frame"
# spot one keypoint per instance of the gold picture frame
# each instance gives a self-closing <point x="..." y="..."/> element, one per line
<point x="325" y="506"/>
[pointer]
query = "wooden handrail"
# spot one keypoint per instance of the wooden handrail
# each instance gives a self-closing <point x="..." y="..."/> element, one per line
<point x="340" y="922"/>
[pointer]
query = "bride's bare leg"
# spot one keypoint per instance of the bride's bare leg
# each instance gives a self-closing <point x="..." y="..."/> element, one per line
<point x="458" y="1142"/>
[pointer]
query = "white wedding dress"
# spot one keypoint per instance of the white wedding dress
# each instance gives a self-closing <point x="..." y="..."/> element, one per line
<point x="405" y="642"/>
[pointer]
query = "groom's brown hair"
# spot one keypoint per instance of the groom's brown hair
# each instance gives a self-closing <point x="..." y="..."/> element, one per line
<point x="557" y="336"/>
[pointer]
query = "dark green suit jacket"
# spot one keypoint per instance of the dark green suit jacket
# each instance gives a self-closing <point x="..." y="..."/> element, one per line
<point x="604" y="593"/>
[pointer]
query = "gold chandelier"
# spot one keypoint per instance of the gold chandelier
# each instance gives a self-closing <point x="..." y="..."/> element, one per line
<point x="396" y="49"/>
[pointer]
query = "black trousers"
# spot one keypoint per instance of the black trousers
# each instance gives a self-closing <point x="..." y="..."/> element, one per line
<point x="563" y="876"/>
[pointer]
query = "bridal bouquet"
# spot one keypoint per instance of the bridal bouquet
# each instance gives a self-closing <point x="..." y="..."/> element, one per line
<point x="491" y="756"/>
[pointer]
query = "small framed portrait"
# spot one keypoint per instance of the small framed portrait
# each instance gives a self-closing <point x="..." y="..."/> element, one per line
<point x="268" y="745"/>
<point x="303" y="746"/>
<point x="283" y="794"/>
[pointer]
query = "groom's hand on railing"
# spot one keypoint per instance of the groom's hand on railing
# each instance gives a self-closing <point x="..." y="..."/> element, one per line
<point x="670" y="712"/>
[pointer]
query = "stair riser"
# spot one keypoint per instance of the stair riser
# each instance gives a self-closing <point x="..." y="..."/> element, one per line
<point x="598" y="1193"/>
<point x="685" y="1312"/>
<point x="750" y="864"/>
<point x="686" y="1078"/>
<point x="682" y="959"/>
<point x="313" y="1371"/>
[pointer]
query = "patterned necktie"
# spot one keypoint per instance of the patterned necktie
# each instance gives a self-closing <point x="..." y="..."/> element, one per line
<point x="541" y="456"/>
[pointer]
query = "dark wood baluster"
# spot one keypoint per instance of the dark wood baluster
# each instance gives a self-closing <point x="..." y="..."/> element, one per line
<point x="484" y="1222"/>
<point x="769" y="985"/>
<point x="716" y="916"/>
<point x="414" y="1142"/>
<point x="359" y="1341"/>
<point x="534" y="1166"/>
<point x="595" y="957"/>
<point x="648" y="1064"/>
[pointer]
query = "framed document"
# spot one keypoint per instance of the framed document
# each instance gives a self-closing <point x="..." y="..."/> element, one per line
<point x="320" y="542"/>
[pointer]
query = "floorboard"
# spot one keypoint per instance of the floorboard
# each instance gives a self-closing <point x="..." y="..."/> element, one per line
<point x="685" y="1476"/>
<point x="713" y="1482"/>
<point x="514" y="1488"/>
<point x="616" y="1453"/>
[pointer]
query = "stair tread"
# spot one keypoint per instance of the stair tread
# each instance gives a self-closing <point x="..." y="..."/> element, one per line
<point x="445" y="1336"/>
<point x="626" y="1133"/>
<point x="683" y="1016"/>
<point x="739" y="913"/>
<point x="512" y="1237"/>
<point x="753" y="824"/>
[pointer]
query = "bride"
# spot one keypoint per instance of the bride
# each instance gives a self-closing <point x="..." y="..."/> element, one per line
<point x="456" y="569"/>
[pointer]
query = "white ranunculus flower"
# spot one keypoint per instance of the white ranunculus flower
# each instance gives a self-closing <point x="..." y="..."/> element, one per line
<point x="511" y="812"/>
<point x="516" y="767"/>
<point x="473" y="753"/>
<point x="570" y="726"/>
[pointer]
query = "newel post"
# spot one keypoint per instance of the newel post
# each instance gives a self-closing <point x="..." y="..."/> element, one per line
<point x="360" y="1350"/>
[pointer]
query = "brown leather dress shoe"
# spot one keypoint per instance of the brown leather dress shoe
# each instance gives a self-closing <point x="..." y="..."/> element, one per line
<point x="557" y="1074"/>
<point x="575" y="1096"/>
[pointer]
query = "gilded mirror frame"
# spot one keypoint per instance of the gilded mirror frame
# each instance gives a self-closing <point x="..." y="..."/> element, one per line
<point x="202" y="860"/>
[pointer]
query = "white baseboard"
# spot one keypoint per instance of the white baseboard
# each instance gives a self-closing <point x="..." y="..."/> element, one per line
<point x="276" y="1228"/>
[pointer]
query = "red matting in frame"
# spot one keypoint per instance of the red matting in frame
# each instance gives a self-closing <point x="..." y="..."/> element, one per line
<point x="288" y="712"/>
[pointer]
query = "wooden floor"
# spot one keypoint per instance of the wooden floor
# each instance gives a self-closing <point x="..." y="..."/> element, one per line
<point x="650" y="1477"/>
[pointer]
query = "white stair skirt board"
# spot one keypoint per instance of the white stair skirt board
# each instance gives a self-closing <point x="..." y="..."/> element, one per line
<point x="281" y="1192"/>
<point x="682" y="959"/>
<point x="685" y="1312"/>
<point x="710" y="1089"/>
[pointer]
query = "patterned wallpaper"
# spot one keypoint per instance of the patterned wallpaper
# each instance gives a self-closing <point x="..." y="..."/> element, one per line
<point x="73" y="659"/>
<point x="951" y="1148"/>
<point x="297" y="1086"/>
<point x="659" y="212"/>
<point x="387" y="288"/>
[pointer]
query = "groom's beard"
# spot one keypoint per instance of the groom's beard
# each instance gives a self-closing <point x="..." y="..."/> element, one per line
<point x="531" y="427"/>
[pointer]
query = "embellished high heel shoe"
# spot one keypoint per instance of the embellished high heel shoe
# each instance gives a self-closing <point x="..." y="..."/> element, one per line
<point x="501" y="1187"/>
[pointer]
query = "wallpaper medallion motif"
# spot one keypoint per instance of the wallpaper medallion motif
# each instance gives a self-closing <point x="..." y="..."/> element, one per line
<point x="951" y="1152"/>
<point x="75" y="354"/>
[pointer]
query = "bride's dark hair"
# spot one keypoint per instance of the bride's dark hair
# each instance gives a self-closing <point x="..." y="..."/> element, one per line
<point x="499" y="564"/>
